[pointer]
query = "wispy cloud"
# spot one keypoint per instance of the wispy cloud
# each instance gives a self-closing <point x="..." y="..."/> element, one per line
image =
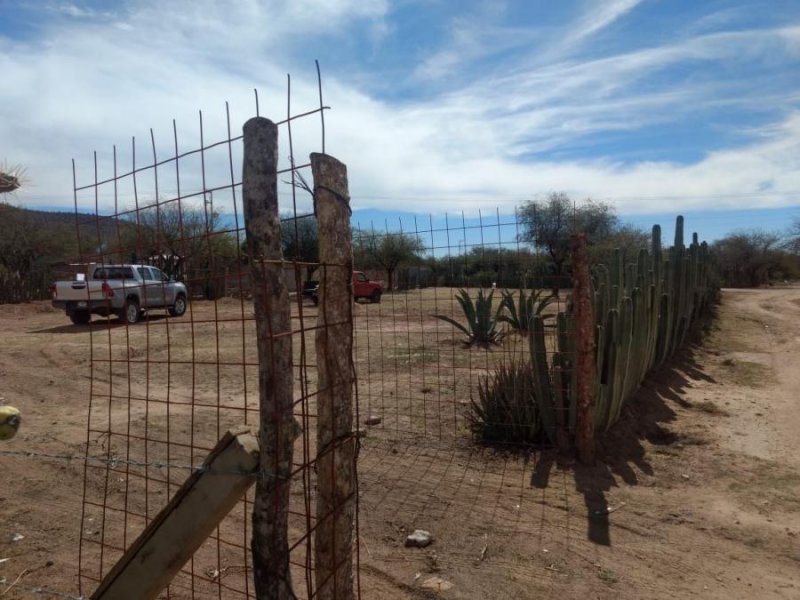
<point x="443" y="179"/>
<point x="598" y="16"/>
<point x="73" y="10"/>
<point x="791" y="37"/>
<point x="486" y="33"/>
<point x="472" y="38"/>
<point x="493" y="136"/>
<point x="555" y="103"/>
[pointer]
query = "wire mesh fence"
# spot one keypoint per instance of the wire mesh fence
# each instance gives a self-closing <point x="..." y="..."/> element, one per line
<point x="164" y="390"/>
<point x="168" y="382"/>
<point x="455" y="310"/>
<point x="215" y="314"/>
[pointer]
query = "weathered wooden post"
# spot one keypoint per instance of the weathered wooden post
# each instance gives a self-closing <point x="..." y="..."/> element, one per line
<point x="278" y="430"/>
<point x="336" y="450"/>
<point x="585" y="361"/>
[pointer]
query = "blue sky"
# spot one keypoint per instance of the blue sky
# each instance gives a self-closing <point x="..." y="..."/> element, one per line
<point x="658" y="107"/>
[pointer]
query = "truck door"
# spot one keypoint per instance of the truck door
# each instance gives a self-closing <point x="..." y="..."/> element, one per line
<point x="166" y="292"/>
<point x="360" y="287"/>
<point x="151" y="287"/>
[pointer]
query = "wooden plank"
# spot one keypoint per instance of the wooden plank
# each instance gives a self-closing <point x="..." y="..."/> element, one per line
<point x="176" y="533"/>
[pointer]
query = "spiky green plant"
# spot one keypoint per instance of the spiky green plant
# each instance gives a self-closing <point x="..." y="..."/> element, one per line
<point x="481" y="328"/>
<point x="526" y="307"/>
<point x="11" y="178"/>
<point x="643" y="311"/>
<point x="506" y="410"/>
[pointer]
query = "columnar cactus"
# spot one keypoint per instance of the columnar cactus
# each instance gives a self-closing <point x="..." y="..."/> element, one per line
<point x="643" y="312"/>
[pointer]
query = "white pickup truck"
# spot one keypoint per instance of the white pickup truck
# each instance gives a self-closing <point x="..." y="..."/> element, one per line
<point x="122" y="290"/>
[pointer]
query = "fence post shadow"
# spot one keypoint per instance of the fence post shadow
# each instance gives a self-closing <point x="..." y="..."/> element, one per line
<point x="593" y="482"/>
<point x="540" y="476"/>
<point x="622" y="454"/>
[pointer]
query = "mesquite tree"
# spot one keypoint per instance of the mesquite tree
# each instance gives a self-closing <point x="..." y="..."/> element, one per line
<point x="548" y="225"/>
<point x="387" y="251"/>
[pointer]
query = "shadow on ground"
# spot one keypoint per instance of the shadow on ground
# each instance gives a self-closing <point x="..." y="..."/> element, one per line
<point x="99" y="325"/>
<point x="621" y="451"/>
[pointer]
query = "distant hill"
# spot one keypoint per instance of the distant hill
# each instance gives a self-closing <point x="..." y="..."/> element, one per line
<point x="38" y="216"/>
<point x="53" y="236"/>
<point x="39" y="246"/>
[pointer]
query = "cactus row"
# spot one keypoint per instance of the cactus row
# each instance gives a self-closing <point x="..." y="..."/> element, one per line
<point x="643" y="312"/>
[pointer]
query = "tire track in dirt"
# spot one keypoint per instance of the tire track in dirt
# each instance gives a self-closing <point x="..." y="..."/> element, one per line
<point x="766" y="418"/>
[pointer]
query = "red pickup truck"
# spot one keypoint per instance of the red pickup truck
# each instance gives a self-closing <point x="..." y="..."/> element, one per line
<point x="362" y="288"/>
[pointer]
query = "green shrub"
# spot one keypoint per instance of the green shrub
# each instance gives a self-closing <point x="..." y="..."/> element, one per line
<point x="505" y="410"/>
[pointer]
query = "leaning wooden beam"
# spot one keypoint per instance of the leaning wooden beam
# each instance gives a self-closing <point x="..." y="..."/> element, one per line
<point x="171" y="539"/>
<point x="336" y="454"/>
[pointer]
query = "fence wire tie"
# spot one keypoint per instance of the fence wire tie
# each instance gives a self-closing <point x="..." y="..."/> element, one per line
<point x="336" y="194"/>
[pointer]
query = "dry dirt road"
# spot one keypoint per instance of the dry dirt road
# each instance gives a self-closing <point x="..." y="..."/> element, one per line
<point x="697" y="495"/>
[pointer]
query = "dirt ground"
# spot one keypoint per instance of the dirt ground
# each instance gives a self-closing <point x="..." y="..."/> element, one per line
<point x="697" y="494"/>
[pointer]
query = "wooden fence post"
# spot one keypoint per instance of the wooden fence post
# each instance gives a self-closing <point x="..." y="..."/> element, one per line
<point x="278" y="429"/>
<point x="336" y="450"/>
<point x="585" y="330"/>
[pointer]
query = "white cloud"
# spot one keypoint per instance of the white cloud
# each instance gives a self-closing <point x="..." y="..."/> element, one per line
<point x="598" y="16"/>
<point x="397" y="176"/>
<point x="544" y="108"/>
<point x="473" y="38"/>
<point x="74" y="11"/>
<point x="478" y="36"/>
<point x="791" y="37"/>
<point x="91" y="84"/>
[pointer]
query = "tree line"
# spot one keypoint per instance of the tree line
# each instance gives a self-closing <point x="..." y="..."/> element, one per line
<point x="746" y="258"/>
<point x="194" y="244"/>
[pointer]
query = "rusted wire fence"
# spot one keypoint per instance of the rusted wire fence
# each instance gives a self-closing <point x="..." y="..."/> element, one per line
<point x="419" y="372"/>
<point x="475" y="302"/>
<point x="434" y="379"/>
<point x="462" y="395"/>
<point x="164" y="389"/>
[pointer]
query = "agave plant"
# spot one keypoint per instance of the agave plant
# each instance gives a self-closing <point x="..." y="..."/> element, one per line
<point x="506" y="410"/>
<point x="10" y="178"/>
<point x="520" y="313"/>
<point x="481" y="327"/>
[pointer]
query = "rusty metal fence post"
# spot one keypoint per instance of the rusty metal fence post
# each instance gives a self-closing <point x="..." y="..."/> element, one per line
<point x="585" y="330"/>
<point x="336" y="449"/>
<point x="278" y="430"/>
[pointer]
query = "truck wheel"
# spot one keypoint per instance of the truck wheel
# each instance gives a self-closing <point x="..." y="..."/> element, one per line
<point x="177" y="309"/>
<point x="130" y="312"/>
<point x="315" y="300"/>
<point x="80" y="317"/>
<point x="375" y="298"/>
